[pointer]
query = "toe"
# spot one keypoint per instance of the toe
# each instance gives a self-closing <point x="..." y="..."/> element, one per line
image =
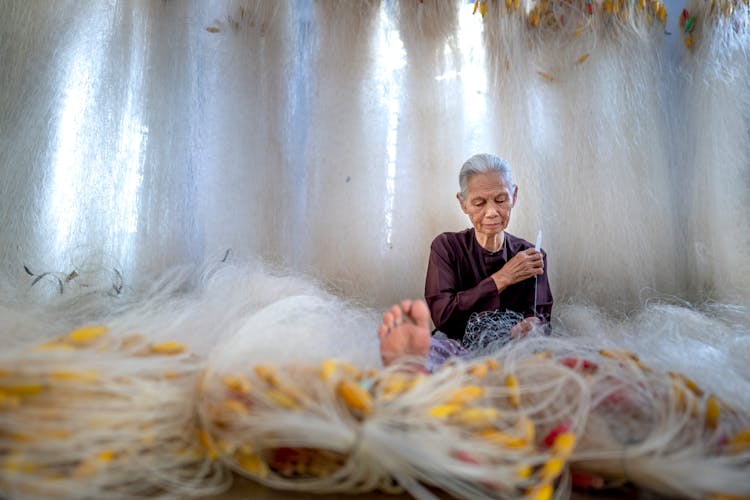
<point x="397" y="313"/>
<point x="406" y="307"/>
<point x="420" y="314"/>
<point x="388" y="319"/>
<point x="382" y="331"/>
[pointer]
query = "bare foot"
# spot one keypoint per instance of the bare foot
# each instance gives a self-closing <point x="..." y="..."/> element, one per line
<point x="405" y="331"/>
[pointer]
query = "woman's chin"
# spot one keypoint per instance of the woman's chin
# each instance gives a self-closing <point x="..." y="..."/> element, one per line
<point x="492" y="230"/>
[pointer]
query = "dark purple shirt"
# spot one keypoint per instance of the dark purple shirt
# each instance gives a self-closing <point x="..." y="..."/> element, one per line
<point x="458" y="282"/>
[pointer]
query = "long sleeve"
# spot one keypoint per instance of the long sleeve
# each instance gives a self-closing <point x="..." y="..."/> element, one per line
<point x="450" y="306"/>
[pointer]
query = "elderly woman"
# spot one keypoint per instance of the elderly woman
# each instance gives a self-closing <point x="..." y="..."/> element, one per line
<point x="483" y="268"/>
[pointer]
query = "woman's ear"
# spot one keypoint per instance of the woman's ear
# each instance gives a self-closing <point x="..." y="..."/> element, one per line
<point x="461" y="202"/>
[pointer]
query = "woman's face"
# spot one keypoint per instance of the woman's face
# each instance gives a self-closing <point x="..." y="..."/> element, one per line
<point x="488" y="203"/>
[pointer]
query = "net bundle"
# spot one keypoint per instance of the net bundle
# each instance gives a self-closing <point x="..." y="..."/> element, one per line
<point x="479" y="429"/>
<point x="94" y="414"/>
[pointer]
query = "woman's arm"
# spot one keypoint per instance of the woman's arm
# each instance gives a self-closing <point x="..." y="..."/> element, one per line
<point x="450" y="307"/>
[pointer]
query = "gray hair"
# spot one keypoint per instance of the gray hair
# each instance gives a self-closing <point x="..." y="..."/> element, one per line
<point x="483" y="163"/>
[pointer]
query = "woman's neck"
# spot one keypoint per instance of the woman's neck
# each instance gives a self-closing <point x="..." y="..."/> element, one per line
<point x="490" y="242"/>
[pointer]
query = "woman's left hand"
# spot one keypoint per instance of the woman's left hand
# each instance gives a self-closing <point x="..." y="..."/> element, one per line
<point x="523" y="327"/>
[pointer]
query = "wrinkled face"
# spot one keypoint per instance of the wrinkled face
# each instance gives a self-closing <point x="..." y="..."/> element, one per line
<point x="488" y="203"/>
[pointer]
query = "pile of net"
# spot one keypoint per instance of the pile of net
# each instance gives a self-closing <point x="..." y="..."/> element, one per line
<point x="97" y="413"/>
